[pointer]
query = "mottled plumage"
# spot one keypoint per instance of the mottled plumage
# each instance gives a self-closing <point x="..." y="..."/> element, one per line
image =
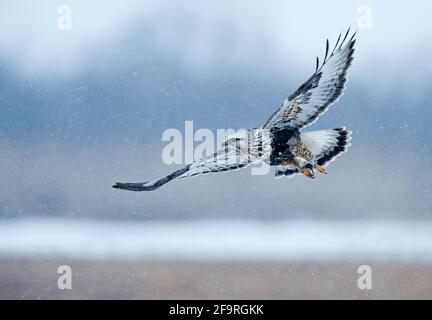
<point x="280" y="142"/>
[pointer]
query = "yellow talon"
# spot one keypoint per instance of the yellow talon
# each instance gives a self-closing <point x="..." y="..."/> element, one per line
<point x="321" y="169"/>
<point x="308" y="173"/>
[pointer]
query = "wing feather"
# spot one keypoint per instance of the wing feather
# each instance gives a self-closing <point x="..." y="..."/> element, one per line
<point x="319" y="92"/>
<point x="229" y="158"/>
<point x="223" y="160"/>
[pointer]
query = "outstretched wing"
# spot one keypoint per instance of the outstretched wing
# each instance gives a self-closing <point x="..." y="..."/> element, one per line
<point x="229" y="158"/>
<point x="318" y="93"/>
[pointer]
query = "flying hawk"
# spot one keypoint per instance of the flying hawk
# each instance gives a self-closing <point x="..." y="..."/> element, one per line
<point x="280" y="141"/>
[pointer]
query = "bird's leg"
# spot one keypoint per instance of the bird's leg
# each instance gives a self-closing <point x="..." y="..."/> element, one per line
<point x="308" y="172"/>
<point x="305" y="167"/>
<point x="321" y="169"/>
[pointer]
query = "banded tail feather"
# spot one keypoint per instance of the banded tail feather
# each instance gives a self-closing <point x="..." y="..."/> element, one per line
<point x="328" y="144"/>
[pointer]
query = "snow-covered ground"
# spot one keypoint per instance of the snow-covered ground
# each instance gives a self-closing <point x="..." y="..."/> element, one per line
<point x="218" y="240"/>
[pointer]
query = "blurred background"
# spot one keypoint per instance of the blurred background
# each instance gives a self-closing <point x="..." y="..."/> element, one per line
<point x="87" y="89"/>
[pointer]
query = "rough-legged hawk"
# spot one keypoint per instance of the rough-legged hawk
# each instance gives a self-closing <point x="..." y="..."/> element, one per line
<point x="280" y="142"/>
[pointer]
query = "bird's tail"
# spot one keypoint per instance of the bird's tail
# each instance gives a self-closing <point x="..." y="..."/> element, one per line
<point x="150" y="185"/>
<point x="336" y="147"/>
<point x="326" y="145"/>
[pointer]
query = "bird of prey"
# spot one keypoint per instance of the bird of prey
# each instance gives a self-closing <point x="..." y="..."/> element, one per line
<point x="280" y="142"/>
